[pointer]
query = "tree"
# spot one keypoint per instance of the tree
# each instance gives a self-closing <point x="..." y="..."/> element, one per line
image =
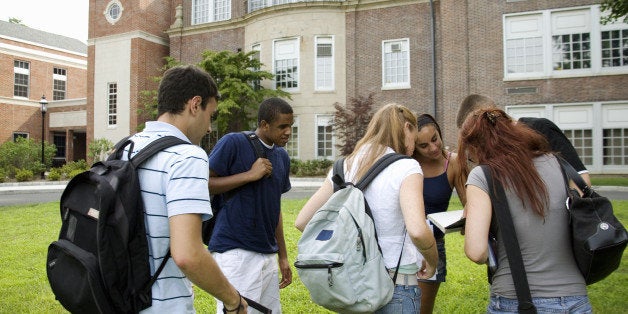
<point x="238" y="78"/>
<point x="351" y="121"/>
<point x="617" y="8"/>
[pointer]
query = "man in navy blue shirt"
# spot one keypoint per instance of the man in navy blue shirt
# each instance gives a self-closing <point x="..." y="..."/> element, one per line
<point x="248" y="236"/>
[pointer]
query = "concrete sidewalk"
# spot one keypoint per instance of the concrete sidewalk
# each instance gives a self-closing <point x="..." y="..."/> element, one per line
<point x="309" y="182"/>
<point x="31" y="186"/>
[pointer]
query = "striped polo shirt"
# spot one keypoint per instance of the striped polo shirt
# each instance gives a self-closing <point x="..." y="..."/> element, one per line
<point x="173" y="182"/>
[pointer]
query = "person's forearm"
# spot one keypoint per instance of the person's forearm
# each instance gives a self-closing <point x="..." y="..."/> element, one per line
<point x="281" y="242"/>
<point x="218" y="185"/>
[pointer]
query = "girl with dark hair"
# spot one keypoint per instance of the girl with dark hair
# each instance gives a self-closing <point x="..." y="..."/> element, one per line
<point x="441" y="173"/>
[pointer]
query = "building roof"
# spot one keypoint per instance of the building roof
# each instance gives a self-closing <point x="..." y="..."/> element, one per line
<point x="49" y="39"/>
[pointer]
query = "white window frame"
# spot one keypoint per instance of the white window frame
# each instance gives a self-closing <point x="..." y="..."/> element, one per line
<point x="555" y="22"/>
<point x="207" y="11"/>
<point x="288" y="50"/>
<point x="324" y="78"/>
<point x="581" y="119"/>
<point x="62" y="76"/>
<point x="390" y="48"/>
<point x="324" y="120"/>
<point x="293" y="144"/>
<point x="23" y="71"/>
<point x="112" y="104"/>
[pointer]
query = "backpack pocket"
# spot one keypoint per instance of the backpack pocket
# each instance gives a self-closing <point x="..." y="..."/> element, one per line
<point x="75" y="279"/>
<point x="327" y="280"/>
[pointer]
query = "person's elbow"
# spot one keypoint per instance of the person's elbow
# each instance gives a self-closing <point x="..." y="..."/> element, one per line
<point x="300" y="224"/>
<point x="475" y="255"/>
<point x="186" y="260"/>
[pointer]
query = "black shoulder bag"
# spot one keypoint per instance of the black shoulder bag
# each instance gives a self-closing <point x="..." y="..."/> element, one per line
<point x="598" y="238"/>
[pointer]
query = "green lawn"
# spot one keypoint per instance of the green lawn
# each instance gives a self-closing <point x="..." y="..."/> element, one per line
<point x="27" y="231"/>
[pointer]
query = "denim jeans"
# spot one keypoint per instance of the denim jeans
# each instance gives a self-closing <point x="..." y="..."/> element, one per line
<point x="405" y="300"/>
<point x="578" y="304"/>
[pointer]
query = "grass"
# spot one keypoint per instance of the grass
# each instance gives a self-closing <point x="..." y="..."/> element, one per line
<point x="609" y="180"/>
<point x="28" y="229"/>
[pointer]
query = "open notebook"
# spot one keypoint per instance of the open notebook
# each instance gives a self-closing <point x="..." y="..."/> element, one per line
<point x="447" y="221"/>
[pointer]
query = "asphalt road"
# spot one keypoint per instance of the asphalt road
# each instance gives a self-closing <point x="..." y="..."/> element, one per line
<point x="45" y="196"/>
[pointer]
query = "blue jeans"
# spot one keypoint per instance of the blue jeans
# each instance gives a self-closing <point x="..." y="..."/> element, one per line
<point x="578" y="304"/>
<point x="405" y="300"/>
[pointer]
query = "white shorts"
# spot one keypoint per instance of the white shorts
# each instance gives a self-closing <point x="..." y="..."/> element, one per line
<point x="254" y="275"/>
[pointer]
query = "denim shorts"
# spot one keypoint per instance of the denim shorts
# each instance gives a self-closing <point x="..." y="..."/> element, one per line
<point x="405" y="300"/>
<point x="578" y="304"/>
<point x="441" y="267"/>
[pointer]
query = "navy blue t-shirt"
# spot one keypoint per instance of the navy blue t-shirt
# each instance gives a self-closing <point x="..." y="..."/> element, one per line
<point x="250" y="213"/>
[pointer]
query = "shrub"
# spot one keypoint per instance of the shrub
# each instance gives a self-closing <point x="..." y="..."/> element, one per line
<point x="74" y="173"/>
<point x="295" y="164"/>
<point x="54" y="174"/>
<point x="310" y="168"/>
<point x="72" y="166"/>
<point x="25" y="153"/>
<point x="22" y="175"/>
<point x="98" y="149"/>
<point x="351" y="121"/>
<point x="3" y="175"/>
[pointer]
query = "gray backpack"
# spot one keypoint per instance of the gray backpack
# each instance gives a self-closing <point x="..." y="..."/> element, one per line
<point x="339" y="260"/>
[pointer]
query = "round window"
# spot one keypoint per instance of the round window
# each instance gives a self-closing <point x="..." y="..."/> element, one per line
<point x="113" y="12"/>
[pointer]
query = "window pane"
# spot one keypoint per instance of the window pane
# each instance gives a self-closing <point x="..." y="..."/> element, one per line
<point x="582" y="140"/>
<point x="614" y="48"/>
<point x="614" y="147"/>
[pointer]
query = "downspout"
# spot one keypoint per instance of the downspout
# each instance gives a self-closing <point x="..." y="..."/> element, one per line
<point x="432" y="21"/>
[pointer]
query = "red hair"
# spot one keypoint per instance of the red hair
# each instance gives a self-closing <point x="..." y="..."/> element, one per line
<point x="508" y="148"/>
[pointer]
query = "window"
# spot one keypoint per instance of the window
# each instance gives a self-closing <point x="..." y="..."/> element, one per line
<point x="614" y="45"/>
<point x="582" y="141"/>
<point x="205" y="11"/>
<point x="112" y="110"/>
<point x="615" y="146"/>
<point x="293" y="144"/>
<point x="59" y="141"/>
<point x="17" y="135"/>
<point x="324" y="63"/>
<point x="396" y="64"/>
<point x="324" y="136"/>
<point x="59" y="79"/>
<point x="113" y="11"/>
<point x="563" y="43"/>
<point x="21" y="72"/>
<point x="286" y="56"/>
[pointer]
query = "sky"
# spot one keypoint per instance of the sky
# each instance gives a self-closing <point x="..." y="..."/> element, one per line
<point x="63" y="17"/>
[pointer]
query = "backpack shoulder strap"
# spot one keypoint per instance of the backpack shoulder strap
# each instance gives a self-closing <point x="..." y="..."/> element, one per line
<point x="254" y="141"/>
<point x="379" y="165"/>
<point x="338" y="174"/>
<point x="501" y="211"/>
<point x="155" y="147"/>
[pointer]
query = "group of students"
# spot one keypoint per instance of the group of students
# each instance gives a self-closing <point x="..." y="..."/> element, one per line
<point x="247" y="253"/>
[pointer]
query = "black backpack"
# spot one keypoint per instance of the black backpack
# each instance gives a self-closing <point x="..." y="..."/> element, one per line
<point x="218" y="200"/>
<point x="100" y="264"/>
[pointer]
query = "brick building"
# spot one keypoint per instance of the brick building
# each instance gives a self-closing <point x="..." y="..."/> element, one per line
<point x="535" y="58"/>
<point x="35" y="63"/>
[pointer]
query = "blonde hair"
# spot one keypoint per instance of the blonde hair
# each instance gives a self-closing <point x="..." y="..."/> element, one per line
<point x="386" y="129"/>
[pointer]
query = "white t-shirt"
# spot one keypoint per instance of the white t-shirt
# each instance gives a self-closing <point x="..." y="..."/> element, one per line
<point x="382" y="195"/>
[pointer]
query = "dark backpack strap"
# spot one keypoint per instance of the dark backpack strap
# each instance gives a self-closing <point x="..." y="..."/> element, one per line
<point x="570" y="172"/>
<point x="377" y="167"/>
<point x="254" y="141"/>
<point x="156" y="146"/>
<point x="338" y="174"/>
<point x="501" y="210"/>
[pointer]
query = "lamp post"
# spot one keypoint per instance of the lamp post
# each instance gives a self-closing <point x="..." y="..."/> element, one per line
<point x="43" y="102"/>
